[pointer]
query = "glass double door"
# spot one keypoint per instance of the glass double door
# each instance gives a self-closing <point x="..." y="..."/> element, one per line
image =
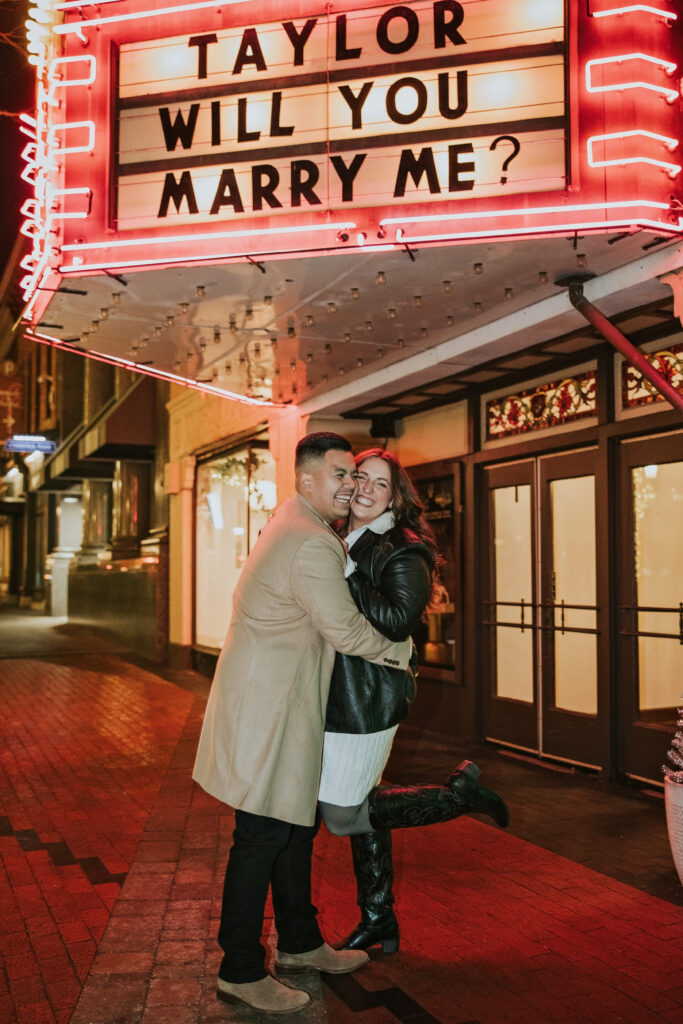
<point x="541" y="617"/>
<point x="650" y="606"/>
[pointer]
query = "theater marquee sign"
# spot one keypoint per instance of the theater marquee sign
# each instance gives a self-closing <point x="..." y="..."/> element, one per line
<point x="383" y="106"/>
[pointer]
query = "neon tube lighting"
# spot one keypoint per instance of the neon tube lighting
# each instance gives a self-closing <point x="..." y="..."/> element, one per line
<point x="671" y="144"/>
<point x="64" y="126"/>
<point x="581" y="207"/>
<point x="207" y="236"/>
<point x="77" y="27"/>
<point x="512" y="232"/>
<point x="129" y="364"/>
<point x="633" y="8"/>
<point x="667" y="66"/>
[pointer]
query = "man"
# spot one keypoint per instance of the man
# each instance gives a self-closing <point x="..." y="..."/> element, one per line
<point x="261" y="744"/>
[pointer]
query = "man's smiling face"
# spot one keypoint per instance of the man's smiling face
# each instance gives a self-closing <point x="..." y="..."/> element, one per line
<point x="329" y="484"/>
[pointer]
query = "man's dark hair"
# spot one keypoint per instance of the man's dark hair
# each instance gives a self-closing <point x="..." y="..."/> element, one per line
<point x="315" y="446"/>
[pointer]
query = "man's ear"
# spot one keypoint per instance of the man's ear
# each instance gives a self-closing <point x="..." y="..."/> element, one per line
<point x="305" y="481"/>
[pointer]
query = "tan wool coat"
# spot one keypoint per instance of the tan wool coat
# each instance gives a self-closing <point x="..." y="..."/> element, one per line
<point x="261" y="744"/>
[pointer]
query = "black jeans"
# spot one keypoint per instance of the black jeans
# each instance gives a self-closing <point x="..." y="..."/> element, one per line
<point x="265" y="852"/>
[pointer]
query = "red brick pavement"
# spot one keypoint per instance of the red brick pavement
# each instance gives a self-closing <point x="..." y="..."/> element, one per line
<point x="494" y="929"/>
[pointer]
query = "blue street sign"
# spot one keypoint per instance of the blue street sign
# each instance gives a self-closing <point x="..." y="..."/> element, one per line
<point x="30" y="443"/>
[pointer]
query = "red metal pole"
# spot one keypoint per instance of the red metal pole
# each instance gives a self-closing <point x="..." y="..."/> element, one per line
<point x="623" y="345"/>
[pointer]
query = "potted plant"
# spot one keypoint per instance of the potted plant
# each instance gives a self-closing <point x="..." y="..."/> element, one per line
<point x="673" y="795"/>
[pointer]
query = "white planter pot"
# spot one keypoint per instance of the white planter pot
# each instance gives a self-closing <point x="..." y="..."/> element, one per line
<point x="673" y="800"/>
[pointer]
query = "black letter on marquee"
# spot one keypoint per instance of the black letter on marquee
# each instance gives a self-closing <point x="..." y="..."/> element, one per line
<point x="299" y="39"/>
<point x="416" y="167"/>
<point x="242" y="134"/>
<point x="444" y="88"/>
<point x="456" y="168"/>
<point x="347" y="175"/>
<point x="356" y="102"/>
<point x="275" y="127"/>
<point x="412" y="29"/>
<point x="231" y="197"/>
<point x="303" y="187"/>
<point x="201" y="42"/>
<point x="179" y="130"/>
<point x="215" y="122"/>
<point x="249" y="52"/>
<point x="264" y="189"/>
<point x="177" y="191"/>
<point x="443" y="29"/>
<point x="341" y="52"/>
<point x="421" y="105"/>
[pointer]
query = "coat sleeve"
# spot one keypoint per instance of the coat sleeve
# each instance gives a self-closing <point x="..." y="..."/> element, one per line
<point x="396" y="605"/>
<point x="318" y="586"/>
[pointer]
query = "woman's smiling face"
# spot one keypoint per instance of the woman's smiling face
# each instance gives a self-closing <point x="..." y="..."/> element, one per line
<point x="374" y="494"/>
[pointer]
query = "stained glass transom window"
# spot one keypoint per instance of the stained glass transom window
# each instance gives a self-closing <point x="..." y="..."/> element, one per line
<point x="548" y="405"/>
<point x="636" y="390"/>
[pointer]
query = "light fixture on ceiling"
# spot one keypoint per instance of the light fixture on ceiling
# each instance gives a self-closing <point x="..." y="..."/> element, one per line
<point x="324" y="378"/>
<point x="447" y="286"/>
<point x="232" y="324"/>
<point x="309" y="357"/>
<point x="331" y="307"/>
<point x="104" y="313"/>
<point x="170" y="321"/>
<point x="158" y="331"/>
<point x="449" y="321"/>
<point x="276" y="371"/>
<point x="359" y="361"/>
<point x="341" y="371"/>
<point x="328" y="349"/>
<point x="581" y="260"/>
<point x="94" y="326"/>
<point x="400" y="342"/>
<point x="257" y="350"/>
<point x="509" y="293"/>
<point x="310" y="320"/>
<point x="392" y="314"/>
<point x="478" y="308"/>
<point x="228" y="368"/>
<point x="202" y="345"/>
<point x="355" y="293"/>
<point x="369" y="326"/>
<point x="184" y="307"/>
<point x="381" y="277"/>
<point x="116" y="298"/>
<point x="200" y="291"/>
<point x="543" y="277"/>
<point x="216" y="336"/>
<point x="144" y="341"/>
<point x="478" y="268"/>
<point x="214" y="373"/>
<point x="347" y="337"/>
<point x="380" y="353"/>
<point x="248" y="313"/>
<point x="267" y="300"/>
<point x="291" y="333"/>
<point x="417" y="302"/>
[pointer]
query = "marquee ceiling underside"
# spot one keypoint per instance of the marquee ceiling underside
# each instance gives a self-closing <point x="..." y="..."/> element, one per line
<point x="344" y="333"/>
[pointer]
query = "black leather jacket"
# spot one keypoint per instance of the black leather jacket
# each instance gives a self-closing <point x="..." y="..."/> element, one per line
<point x="391" y="587"/>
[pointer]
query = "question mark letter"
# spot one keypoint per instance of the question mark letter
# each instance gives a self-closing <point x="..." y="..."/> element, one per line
<point x="511" y="156"/>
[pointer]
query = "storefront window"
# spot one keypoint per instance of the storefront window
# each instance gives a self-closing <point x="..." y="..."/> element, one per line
<point x="436" y="639"/>
<point x="235" y="496"/>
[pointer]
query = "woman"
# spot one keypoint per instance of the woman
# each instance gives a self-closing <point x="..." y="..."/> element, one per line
<point x="394" y="582"/>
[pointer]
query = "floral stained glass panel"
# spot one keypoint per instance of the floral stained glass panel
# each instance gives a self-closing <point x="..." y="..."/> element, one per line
<point x="548" y="405"/>
<point x="636" y="390"/>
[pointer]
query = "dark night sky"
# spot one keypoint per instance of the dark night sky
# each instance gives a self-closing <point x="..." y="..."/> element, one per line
<point x="16" y="95"/>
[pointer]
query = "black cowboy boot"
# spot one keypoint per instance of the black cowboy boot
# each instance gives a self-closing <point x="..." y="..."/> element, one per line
<point x="374" y="872"/>
<point x="407" y="806"/>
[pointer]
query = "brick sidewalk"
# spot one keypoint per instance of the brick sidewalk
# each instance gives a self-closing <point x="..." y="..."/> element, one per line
<point x="112" y="863"/>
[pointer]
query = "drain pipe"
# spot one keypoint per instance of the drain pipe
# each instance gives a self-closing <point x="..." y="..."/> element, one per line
<point x="574" y="283"/>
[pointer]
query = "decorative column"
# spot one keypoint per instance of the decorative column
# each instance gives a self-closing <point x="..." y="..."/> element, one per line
<point x="130" y="509"/>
